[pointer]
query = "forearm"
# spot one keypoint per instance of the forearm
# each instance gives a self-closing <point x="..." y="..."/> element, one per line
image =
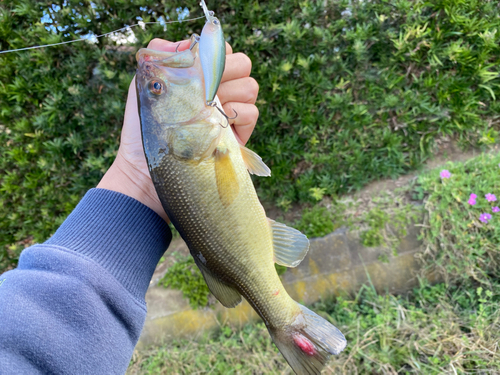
<point x="75" y="304"/>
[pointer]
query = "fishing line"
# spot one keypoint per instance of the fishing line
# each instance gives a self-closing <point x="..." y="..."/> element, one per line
<point x="100" y="36"/>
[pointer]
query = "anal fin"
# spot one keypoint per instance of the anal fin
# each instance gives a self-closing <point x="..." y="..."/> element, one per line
<point x="254" y="163"/>
<point x="290" y="245"/>
<point x="227" y="295"/>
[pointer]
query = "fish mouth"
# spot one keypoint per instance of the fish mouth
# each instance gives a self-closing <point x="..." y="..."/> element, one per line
<point x="152" y="63"/>
<point x="146" y="56"/>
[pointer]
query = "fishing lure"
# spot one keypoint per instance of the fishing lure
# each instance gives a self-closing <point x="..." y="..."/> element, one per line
<point x="212" y="54"/>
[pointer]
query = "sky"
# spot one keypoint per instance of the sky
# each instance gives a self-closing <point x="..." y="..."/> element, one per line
<point x="124" y="36"/>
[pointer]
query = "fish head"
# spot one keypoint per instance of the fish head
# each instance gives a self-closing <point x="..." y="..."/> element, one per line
<point x="175" y="119"/>
<point x="170" y="87"/>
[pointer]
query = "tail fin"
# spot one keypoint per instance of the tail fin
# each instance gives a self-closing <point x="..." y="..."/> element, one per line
<point x="308" y="342"/>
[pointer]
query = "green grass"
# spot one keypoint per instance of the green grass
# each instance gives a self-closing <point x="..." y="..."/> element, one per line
<point x="434" y="330"/>
<point x="349" y="93"/>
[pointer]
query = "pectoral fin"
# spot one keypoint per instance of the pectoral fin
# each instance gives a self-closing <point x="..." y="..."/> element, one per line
<point x="225" y="174"/>
<point x="227" y="295"/>
<point x="290" y="245"/>
<point x="254" y="163"/>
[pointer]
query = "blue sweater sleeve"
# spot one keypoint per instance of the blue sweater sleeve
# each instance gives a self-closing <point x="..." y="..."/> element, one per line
<point x="75" y="304"/>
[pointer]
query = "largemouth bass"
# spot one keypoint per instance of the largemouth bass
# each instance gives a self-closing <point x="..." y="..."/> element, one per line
<point x="201" y="175"/>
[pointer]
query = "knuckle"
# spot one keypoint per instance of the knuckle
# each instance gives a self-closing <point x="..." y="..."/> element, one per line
<point x="245" y="61"/>
<point x="253" y="88"/>
<point x="254" y="113"/>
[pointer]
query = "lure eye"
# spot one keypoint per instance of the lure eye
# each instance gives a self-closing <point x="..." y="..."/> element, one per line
<point x="216" y="22"/>
<point x="156" y="87"/>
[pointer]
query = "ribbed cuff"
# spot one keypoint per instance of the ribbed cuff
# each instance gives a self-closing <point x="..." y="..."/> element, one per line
<point x="118" y="232"/>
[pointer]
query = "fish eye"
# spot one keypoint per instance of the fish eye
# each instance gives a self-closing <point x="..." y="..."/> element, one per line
<point x="156" y="87"/>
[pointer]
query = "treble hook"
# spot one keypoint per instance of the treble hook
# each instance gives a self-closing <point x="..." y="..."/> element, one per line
<point x="195" y="42"/>
<point x="214" y="104"/>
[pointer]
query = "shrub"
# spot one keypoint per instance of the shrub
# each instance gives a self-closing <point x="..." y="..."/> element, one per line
<point x="185" y="276"/>
<point x="348" y="93"/>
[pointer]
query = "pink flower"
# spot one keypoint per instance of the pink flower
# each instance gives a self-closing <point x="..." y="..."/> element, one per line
<point x="473" y="196"/>
<point x="472" y="201"/>
<point x="495" y="209"/>
<point x="445" y="173"/>
<point x="484" y="217"/>
<point x="490" y="197"/>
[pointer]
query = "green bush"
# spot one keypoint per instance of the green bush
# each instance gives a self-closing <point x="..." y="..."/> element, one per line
<point x="61" y="108"/>
<point x="318" y="221"/>
<point x="185" y="276"/>
<point x="348" y="93"/>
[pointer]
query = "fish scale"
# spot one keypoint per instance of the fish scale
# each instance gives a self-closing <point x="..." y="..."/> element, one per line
<point x="225" y="251"/>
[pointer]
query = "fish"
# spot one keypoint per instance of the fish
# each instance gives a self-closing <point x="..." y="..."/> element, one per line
<point x="201" y="174"/>
<point x="212" y="54"/>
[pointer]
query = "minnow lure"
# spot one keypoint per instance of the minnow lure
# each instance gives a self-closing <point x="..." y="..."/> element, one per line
<point x="212" y="50"/>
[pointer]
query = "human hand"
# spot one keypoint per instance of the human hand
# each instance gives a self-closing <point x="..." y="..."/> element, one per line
<point x="129" y="173"/>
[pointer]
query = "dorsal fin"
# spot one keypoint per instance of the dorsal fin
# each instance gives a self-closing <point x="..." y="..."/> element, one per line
<point x="227" y="295"/>
<point x="290" y="245"/>
<point x="254" y="163"/>
<point x="225" y="174"/>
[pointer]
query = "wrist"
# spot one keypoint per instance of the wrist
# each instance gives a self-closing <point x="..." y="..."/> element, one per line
<point x="124" y="178"/>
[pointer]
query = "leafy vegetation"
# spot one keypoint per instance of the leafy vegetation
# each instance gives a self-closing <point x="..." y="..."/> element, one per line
<point x="387" y="223"/>
<point x="434" y="330"/>
<point x="350" y="91"/>
<point x="461" y="246"/>
<point x="185" y="276"/>
<point x="318" y="221"/>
